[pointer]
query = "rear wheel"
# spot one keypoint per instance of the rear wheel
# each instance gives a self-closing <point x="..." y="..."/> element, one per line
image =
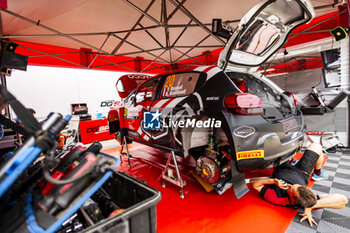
<point x="213" y="160"/>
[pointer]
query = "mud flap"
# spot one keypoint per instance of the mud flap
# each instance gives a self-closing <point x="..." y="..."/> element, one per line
<point x="238" y="180"/>
<point x="114" y="126"/>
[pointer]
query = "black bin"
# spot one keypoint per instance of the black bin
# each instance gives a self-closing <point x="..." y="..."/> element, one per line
<point x="138" y="201"/>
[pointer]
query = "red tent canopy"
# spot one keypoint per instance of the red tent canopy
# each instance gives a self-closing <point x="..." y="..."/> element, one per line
<point x="140" y="61"/>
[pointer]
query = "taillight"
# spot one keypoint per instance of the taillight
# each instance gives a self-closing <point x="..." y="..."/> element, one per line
<point x="113" y="115"/>
<point x="294" y="99"/>
<point x="244" y="104"/>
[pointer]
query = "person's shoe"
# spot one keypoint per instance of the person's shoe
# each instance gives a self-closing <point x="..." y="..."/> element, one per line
<point x="321" y="176"/>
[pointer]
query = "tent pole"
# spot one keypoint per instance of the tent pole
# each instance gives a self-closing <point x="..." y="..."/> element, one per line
<point x="112" y="32"/>
<point x="50" y="55"/>
<point x="143" y="12"/>
<point x="174" y="11"/>
<point x="325" y="20"/>
<point x="166" y="30"/>
<point x="186" y="12"/>
<point x="153" y="60"/>
<point x="137" y="23"/>
<point x="193" y="58"/>
<point x="192" y="48"/>
<point x="150" y="34"/>
<point x="51" y="29"/>
<point x="141" y="49"/>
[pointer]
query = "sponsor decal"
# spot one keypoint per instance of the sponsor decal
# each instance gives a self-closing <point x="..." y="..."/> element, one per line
<point x="98" y="129"/>
<point x="138" y="76"/>
<point x="174" y="91"/>
<point x="169" y="90"/>
<point x="244" y="131"/>
<point x="290" y="125"/>
<point x="116" y="103"/>
<point x="253" y="154"/>
<point x="151" y="120"/>
<point x="315" y="132"/>
<point x="133" y="134"/>
<point x="210" y="98"/>
<point x="107" y="103"/>
<point x="132" y="112"/>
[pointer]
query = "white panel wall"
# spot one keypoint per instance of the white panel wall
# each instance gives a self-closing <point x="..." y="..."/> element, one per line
<point x="344" y="57"/>
<point x="300" y="83"/>
<point x="342" y="114"/>
<point x="48" y="89"/>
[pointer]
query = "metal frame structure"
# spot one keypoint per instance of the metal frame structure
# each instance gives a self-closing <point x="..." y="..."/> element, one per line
<point x="124" y="143"/>
<point x="168" y="174"/>
<point x="144" y="65"/>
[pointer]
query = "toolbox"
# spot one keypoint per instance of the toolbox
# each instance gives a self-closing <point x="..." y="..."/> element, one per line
<point x="138" y="201"/>
<point x="43" y="189"/>
<point x="20" y="209"/>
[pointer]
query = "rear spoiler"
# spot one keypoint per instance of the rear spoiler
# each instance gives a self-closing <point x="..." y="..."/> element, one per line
<point x="129" y="82"/>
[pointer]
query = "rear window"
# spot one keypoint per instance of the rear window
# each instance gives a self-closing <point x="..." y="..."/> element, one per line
<point x="258" y="38"/>
<point x="255" y="86"/>
<point x="176" y="85"/>
<point x="120" y="86"/>
<point x="147" y="91"/>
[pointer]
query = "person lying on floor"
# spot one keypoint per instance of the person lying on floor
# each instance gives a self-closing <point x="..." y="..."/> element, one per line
<point x="288" y="185"/>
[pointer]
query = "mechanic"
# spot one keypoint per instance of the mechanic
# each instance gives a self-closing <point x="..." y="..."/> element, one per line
<point x="288" y="185"/>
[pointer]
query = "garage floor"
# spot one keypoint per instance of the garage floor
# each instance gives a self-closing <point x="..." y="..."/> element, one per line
<point x="329" y="220"/>
<point x="209" y="212"/>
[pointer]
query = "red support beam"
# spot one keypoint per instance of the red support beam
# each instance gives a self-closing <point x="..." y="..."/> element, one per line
<point x="138" y="64"/>
<point x="343" y="18"/>
<point x="85" y="56"/>
<point x="324" y="22"/>
<point x="209" y="59"/>
<point x="301" y="64"/>
<point x="3" y="4"/>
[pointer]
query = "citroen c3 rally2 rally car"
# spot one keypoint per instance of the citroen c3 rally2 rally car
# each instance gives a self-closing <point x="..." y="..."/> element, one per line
<point x="230" y="118"/>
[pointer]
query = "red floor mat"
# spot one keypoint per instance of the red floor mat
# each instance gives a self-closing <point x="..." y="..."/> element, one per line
<point x="200" y="211"/>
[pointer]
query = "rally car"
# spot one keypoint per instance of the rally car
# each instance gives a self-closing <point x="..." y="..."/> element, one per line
<point x="230" y="118"/>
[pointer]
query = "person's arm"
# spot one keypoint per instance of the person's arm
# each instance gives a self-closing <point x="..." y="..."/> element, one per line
<point x="333" y="201"/>
<point x="259" y="183"/>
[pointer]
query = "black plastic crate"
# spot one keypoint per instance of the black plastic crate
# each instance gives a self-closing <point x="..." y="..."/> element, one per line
<point x="138" y="201"/>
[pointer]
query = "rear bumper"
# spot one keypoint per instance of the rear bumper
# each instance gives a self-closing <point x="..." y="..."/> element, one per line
<point x="275" y="148"/>
<point x="268" y="145"/>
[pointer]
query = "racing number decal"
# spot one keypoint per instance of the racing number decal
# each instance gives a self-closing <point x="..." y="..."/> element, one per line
<point x="169" y="82"/>
<point x="253" y="154"/>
